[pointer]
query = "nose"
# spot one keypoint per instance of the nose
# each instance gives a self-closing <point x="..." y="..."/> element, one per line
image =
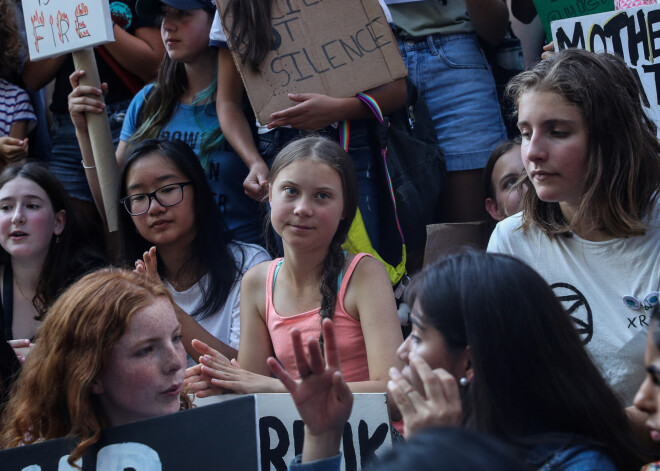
<point x="175" y="358"/>
<point x="19" y="215"/>
<point x="154" y="205"/>
<point x="303" y="208"/>
<point x="168" y="23"/>
<point x="646" y="398"/>
<point x="534" y="148"/>
<point x="403" y="350"/>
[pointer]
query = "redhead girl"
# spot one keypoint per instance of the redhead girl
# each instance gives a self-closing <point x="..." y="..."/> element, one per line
<point x="179" y="106"/>
<point x="112" y="345"/>
<point x="590" y="223"/>
<point x="313" y="197"/>
<point x="41" y="250"/>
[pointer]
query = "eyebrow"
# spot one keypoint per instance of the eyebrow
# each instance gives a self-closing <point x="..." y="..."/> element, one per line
<point x="415" y="320"/>
<point x="162" y="178"/>
<point x="549" y="121"/>
<point x="24" y="196"/>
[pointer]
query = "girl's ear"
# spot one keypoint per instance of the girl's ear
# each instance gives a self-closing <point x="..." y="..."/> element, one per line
<point x="60" y="222"/>
<point x="494" y="210"/>
<point x="469" y="372"/>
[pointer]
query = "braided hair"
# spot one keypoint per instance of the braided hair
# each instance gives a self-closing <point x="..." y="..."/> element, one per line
<point x="329" y="152"/>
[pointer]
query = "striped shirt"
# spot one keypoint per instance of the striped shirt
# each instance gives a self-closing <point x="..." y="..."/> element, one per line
<point x="14" y="106"/>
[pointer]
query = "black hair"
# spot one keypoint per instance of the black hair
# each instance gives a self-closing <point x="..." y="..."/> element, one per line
<point x="450" y="449"/>
<point x="209" y="251"/>
<point x="249" y="29"/>
<point x="69" y="255"/>
<point x="532" y="374"/>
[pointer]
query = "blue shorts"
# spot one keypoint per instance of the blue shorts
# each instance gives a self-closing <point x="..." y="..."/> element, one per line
<point x="454" y="78"/>
<point x="65" y="155"/>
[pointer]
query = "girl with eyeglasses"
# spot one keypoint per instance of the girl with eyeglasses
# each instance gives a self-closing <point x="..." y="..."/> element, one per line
<point x="179" y="106"/>
<point x="167" y="203"/>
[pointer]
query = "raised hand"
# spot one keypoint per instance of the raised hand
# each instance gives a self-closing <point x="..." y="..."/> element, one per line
<point x="322" y="397"/>
<point x="439" y="404"/>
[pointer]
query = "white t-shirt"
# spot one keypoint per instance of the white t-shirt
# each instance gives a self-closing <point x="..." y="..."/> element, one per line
<point x="225" y="323"/>
<point x="591" y="279"/>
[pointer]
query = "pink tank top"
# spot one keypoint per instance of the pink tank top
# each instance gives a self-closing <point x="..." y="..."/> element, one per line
<point x="348" y="330"/>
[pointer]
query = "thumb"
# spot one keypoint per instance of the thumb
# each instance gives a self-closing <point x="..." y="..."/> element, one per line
<point x="299" y="97"/>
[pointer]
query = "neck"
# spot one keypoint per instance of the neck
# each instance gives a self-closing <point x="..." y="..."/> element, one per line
<point x="26" y="274"/>
<point x="200" y="76"/>
<point x="590" y="233"/>
<point x="178" y="271"/>
<point x="304" y="268"/>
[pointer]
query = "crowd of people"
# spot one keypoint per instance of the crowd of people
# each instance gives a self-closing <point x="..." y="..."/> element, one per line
<point x="228" y="274"/>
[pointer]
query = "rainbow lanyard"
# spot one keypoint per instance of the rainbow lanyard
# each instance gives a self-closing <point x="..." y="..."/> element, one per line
<point x="344" y="137"/>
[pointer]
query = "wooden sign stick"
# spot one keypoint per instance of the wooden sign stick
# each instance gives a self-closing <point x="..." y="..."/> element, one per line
<point x="101" y="139"/>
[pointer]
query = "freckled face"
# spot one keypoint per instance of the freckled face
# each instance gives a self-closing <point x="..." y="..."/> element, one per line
<point x="307" y="203"/>
<point x="144" y="370"/>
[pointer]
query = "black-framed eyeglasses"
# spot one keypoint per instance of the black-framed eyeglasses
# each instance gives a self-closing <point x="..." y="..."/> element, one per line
<point x="168" y="195"/>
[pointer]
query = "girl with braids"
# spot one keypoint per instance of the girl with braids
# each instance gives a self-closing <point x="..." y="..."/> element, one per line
<point x="313" y="198"/>
<point x="180" y="106"/>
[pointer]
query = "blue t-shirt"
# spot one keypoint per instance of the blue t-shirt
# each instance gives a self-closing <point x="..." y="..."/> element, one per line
<point x="225" y="171"/>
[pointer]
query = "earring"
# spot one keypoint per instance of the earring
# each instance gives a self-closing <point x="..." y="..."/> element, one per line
<point x="57" y="239"/>
<point x="463" y="381"/>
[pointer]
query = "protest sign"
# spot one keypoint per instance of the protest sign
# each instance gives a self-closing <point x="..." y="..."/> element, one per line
<point x="336" y="48"/>
<point x="219" y="436"/>
<point x="54" y="27"/>
<point x="633" y="34"/>
<point x="366" y="434"/>
<point x="554" y="10"/>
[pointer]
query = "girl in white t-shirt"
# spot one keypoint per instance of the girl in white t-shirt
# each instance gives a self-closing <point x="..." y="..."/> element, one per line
<point x="590" y="223"/>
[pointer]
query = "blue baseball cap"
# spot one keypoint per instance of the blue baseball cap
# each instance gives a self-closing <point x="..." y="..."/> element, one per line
<point x="154" y="7"/>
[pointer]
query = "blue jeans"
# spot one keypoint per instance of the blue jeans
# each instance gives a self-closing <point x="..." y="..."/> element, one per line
<point x="454" y="78"/>
<point x="65" y="154"/>
<point x="362" y="155"/>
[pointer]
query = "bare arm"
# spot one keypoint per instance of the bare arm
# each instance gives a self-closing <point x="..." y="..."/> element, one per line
<point x="234" y="124"/>
<point x="489" y="18"/>
<point x="140" y="54"/>
<point x="315" y="111"/>
<point x="36" y="75"/>
<point x="370" y="293"/>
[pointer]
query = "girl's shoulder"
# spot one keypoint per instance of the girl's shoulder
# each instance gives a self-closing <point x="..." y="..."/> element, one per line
<point x="248" y="255"/>
<point x="255" y="277"/>
<point x="364" y="269"/>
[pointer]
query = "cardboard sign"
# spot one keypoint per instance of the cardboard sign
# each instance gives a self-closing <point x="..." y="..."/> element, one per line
<point x="336" y="48"/>
<point x="634" y="34"/>
<point x="219" y="436"/>
<point x="366" y="434"/>
<point x="554" y="10"/>
<point x="54" y="27"/>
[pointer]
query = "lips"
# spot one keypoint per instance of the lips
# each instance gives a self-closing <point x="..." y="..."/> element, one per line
<point x="18" y="234"/>
<point x="541" y="175"/>
<point x="173" y="390"/>
<point x="160" y="224"/>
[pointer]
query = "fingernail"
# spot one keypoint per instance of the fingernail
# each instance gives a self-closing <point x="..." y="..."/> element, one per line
<point x="21" y="359"/>
<point x="394" y="373"/>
